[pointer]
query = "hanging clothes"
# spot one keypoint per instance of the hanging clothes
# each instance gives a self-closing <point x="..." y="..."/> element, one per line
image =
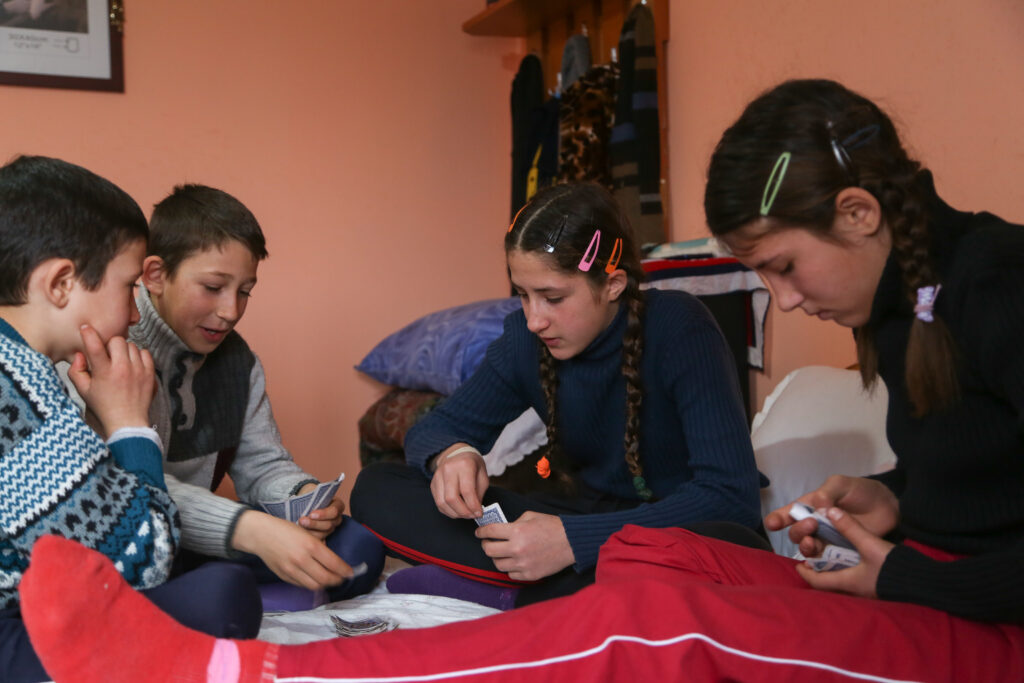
<point x="586" y="115"/>
<point x="635" y="149"/>
<point x="527" y="97"/>
<point x="575" y="59"/>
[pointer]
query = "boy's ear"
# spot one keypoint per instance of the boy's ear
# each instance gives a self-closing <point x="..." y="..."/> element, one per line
<point x="617" y="280"/>
<point x="153" y="274"/>
<point x="57" y="278"/>
<point x="858" y="213"/>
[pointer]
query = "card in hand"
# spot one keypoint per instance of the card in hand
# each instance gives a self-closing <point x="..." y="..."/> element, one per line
<point x="492" y="515"/>
<point x="834" y="558"/>
<point x="299" y="506"/>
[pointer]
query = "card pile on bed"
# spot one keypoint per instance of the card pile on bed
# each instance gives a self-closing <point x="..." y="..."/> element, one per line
<point x="347" y="629"/>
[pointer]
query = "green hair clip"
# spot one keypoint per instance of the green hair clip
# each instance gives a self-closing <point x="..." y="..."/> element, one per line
<point x="771" y="188"/>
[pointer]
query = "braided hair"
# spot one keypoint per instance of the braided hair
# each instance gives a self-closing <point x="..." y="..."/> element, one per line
<point x="831" y="138"/>
<point x="559" y="225"/>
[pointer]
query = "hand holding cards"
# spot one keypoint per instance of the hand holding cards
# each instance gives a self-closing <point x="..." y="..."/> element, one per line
<point x="839" y="553"/>
<point x="299" y="506"/>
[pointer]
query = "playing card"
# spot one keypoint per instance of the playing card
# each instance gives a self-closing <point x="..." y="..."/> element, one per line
<point x="834" y="558"/>
<point x="299" y="506"/>
<point x="492" y="515"/>
<point x="275" y="509"/>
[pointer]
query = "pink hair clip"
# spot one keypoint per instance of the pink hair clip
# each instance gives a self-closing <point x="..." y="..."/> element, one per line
<point x="595" y="244"/>
<point x="613" y="260"/>
<point x="926" y="302"/>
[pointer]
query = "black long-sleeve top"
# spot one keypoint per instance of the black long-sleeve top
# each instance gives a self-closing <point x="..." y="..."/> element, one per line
<point x="960" y="471"/>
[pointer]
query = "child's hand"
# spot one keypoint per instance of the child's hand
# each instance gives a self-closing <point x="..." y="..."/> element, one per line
<point x="115" y="380"/>
<point x="528" y="549"/>
<point x="291" y="552"/>
<point x="860" y="579"/>
<point x="459" y="483"/>
<point x="870" y="502"/>
<point x="323" y="521"/>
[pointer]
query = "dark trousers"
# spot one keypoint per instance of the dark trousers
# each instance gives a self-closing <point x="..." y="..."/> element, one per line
<point x="395" y="502"/>
<point x="350" y="541"/>
<point x="219" y="598"/>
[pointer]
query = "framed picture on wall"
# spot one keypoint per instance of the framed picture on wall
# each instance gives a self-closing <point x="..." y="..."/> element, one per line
<point x="62" y="44"/>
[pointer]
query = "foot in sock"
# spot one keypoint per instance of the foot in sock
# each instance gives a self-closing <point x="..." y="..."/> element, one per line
<point x="430" y="579"/>
<point x="88" y="625"/>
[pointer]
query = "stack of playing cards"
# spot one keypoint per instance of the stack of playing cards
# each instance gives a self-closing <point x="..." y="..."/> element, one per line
<point x="833" y="558"/>
<point x="492" y="515"/>
<point x="299" y="506"/>
<point x="347" y="629"/>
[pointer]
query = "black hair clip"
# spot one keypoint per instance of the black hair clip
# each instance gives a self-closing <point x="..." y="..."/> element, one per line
<point x="551" y="241"/>
<point x="840" y="153"/>
<point x="861" y="137"/>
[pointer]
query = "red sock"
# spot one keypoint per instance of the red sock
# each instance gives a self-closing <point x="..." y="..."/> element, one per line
<point x="88" y="625"/>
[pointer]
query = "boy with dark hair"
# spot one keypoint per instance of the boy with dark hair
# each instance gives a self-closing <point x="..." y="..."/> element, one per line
<point x="73" y="245"/>
<point x="213" y="415"/>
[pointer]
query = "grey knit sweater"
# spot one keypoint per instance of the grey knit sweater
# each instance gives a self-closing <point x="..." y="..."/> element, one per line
<point x="206" y="410"/>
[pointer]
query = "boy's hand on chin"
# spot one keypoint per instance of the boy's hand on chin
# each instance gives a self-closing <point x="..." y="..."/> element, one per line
<point x="116" y="380"/>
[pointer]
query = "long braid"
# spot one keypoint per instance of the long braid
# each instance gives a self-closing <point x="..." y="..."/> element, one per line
<point x="632" y="355"/>
<point x="555" y="459"/>
<point x="930" y="373"/>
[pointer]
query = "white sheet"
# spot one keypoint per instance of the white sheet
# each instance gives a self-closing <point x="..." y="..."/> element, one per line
<point x="406" y="609"/>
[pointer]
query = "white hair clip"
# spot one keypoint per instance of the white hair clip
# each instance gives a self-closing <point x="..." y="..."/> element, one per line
<point x="926" y="302"/>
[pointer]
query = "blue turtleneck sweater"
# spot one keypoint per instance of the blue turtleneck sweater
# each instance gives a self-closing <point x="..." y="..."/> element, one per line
<point x="694" y="443"/>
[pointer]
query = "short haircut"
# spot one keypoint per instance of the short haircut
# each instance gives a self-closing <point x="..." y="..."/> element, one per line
<point x="194" y="218"/>
<point x="52" y="209"/>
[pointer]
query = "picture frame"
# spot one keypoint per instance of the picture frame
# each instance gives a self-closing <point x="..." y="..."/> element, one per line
<point x="62" y="44"/>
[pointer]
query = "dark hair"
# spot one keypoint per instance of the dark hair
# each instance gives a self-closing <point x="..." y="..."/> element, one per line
<point x="559" y="224"/>
<point x="52" y="209"/>
<point x="834" y="138"/>
<point x="194" y="218"/>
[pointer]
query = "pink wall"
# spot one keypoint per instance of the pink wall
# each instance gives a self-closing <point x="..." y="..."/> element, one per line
<point x="371" y="140"/>
<point x="950" y="71"/>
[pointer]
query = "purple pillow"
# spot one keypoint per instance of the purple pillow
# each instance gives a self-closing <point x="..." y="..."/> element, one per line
<point x="440" y="350"/>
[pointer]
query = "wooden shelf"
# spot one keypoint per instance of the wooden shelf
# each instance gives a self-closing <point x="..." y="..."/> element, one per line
<point x="520" y="17"/>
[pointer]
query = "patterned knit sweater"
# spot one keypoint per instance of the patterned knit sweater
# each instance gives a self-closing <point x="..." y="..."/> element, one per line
<point x="694" y="443"/>
<point x="57" y="476"/>
<point x="214" y="418"/>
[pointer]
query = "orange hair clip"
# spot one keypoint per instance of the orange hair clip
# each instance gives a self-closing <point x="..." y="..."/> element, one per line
<point x="613" y="260"/>
<point x="513" y="223"/>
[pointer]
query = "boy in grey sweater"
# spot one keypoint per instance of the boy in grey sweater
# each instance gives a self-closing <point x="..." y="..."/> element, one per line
<point x="212" y="412"/>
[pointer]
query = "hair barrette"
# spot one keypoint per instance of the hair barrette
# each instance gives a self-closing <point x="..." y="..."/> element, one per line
<point x="551" y="241"/>
<point x="771" y="188"/>
<point x="840" y="153"/>
<point x="861" y="137"/>
<point x="616" y="256"/>
<point x="512" y="224"/>
<point x="595" y="244"/>
<point x="926" y="303"/>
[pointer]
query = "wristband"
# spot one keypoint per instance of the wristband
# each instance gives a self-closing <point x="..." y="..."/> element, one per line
<point x="464" y="449"/>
